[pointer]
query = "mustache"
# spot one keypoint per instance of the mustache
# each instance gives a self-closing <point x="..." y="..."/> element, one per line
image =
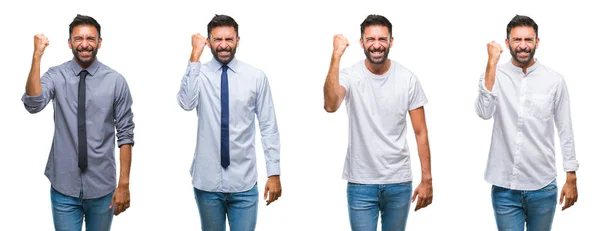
<point x="223" y="49"/>
<point x="523" y="50"/>
<point x="381" y="49"/>
<point x="85" y="49"/>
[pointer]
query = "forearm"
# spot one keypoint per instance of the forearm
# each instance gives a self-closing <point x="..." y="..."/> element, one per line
<point x="332" y="83"/>
<point x="424" y="156"/>
<point x="34" y="85"/>
<point x="490" y="75"/>
<point x="125" y="163"/>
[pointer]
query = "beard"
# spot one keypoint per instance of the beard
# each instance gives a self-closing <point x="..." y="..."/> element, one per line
<point x="379" y="60"/>
<point x="514" y="52"/>
<point x="224" y="59"/>
<point x="85" y="61"/>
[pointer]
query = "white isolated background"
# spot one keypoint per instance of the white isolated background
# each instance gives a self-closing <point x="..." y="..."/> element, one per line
<point x="443" y="42"/>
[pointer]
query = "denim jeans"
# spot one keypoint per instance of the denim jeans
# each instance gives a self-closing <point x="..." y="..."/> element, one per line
<point x="514" y="209"/>
<point x="69" y="212"/>
<point x="240" y="208"/>
<point x="365" y="201"/>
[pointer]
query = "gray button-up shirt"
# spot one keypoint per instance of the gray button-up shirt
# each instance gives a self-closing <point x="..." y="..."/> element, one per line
<point x="108" y="106"/>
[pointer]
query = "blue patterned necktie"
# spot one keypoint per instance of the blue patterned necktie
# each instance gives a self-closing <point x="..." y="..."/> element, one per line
<point x="224" y="118"/>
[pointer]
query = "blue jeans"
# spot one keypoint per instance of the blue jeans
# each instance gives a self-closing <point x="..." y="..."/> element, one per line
<point x="69" y="212"/>
<point x="240" y="208"/>
<point x="365" y="201"/>
<point x="514" y="209"/>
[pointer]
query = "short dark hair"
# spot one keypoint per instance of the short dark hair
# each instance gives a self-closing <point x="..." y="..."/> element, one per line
<point x="521" y="20"/>
<point x="222" y="20"/>
<point x="375" y="20"/>
<point x="84" y="20"/>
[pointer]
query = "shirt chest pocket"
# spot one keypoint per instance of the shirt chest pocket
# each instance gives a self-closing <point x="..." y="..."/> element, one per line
<point x="540" y="106"/>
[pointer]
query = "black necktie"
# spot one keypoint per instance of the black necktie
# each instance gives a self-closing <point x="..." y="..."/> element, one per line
<point x="224" y="118"/>
<point x="81" y="133"/>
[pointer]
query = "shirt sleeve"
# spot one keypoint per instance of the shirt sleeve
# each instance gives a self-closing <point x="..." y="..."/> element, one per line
<point x="122" y="113"/>
<point x="416" y="94"/>
<point x="344" y="79"/>
<point x="485" y="105"/>
<point x="189" y="89"/>
<point x="35" y="104"/>
<point x="265" y="112"/>
<point x="562" y="120"/>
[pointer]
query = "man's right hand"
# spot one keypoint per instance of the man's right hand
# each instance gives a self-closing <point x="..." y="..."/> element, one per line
<point x="494" y="51"/>
<point x="339" y="45"/>
<point x="198" y="43"/>
<point x="40" y="42"/>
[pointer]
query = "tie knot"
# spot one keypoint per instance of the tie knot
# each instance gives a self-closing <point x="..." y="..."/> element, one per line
<point x="83" y="73"/>
<point x="224" y="67"/>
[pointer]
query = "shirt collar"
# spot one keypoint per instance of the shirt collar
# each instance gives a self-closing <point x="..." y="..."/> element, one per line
<point x="519" y="70"/>
<point x="216" y="65"/>
<point x="92" y="69"/>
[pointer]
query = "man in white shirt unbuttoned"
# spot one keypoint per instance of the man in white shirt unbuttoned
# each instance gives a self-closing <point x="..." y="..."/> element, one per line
<point x="526" y="100"/>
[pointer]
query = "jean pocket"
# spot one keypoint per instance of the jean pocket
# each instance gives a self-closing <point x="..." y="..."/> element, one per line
<point x="540" y="106"/>
<point x="550" y="187"/>
<point x="498" y="188"/>
<point x="354" y="184"/>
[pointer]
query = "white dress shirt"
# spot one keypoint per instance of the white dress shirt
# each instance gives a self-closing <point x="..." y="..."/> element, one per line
<point x="525" y="108"/>
<point x="249" y="96"/>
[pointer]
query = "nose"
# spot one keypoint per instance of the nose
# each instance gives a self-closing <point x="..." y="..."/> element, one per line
<point x="84" y="43"/>
<point x="522" y="44"/>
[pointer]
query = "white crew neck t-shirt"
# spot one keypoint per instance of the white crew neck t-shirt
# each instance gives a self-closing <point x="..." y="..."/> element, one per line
<point x="377" y="107"/>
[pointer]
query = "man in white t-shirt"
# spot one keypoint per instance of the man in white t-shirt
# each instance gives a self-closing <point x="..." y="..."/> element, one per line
<point x="379" y="93"/>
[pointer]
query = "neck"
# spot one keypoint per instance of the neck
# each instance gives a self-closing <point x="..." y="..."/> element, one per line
<point x="85" y="65"/>
<point x="378" y="69"/>
<point x="524" y="66"/>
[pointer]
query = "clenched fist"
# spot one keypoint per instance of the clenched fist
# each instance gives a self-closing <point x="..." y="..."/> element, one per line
<point x="198" y="43"/>
<point x="494" y="51"/>
<point x="339" y="44"/>
<point x="40" y="42"/>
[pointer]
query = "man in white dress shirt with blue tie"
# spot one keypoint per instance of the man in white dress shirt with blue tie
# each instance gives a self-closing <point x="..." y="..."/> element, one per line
<point x="227" y="95"/>
<point x="526" y="100"/>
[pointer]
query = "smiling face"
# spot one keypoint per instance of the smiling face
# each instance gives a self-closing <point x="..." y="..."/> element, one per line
<point x="522" y="44"/>
<point x="84" y="43"/>
<point x="223" y="43"/>
<point x="376" y="43"/>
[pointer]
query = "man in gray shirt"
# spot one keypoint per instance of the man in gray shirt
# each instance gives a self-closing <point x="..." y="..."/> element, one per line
<point x="90" y="100"/>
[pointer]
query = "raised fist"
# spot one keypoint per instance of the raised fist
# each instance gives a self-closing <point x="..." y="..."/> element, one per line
<point x="40" y="42"/>
<point x="494" y="51"/>
<point x="339" y="44"/>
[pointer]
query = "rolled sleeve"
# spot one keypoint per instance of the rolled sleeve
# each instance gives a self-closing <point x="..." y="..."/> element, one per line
<point x="123" y="114"/>
<point x="35" y="104"/>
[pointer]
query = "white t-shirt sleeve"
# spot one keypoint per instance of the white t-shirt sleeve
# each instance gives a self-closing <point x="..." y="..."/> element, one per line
<point x="416" y="95"/>
<point x="344" y="79"/>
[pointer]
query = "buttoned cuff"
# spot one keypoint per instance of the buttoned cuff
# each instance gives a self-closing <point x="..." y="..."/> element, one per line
<point x="571" y="165"/>
<point x="193" y="68"/>
<point x="273" y="169"/>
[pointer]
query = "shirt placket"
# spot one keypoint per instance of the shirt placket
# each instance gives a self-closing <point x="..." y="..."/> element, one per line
<point x="520" y="138"/>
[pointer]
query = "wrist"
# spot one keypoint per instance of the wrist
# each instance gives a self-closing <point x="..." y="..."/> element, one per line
<point x="124" y="183"/>
<point x="571" y="178"/>
<point x="37" y="55"/>
<point x="493" y="61"/>
<point x="195" y="56"/>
